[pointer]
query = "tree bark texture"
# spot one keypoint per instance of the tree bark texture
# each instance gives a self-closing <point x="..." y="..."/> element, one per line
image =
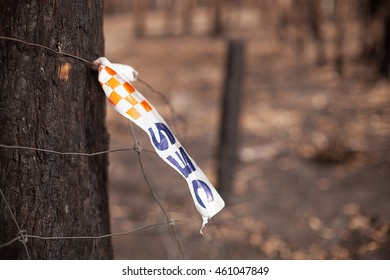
<point x="53" y="102"/>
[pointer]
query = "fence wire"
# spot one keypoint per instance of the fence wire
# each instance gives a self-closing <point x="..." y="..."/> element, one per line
<point x="23" y="236"/>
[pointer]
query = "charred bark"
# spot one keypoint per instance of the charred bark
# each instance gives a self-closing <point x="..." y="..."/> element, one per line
<point x="53" y="102"/>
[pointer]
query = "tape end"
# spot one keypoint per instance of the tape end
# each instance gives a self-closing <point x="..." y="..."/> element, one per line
<point x="205" y="220"/>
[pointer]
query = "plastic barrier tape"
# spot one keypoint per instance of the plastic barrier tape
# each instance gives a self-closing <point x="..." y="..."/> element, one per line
<point x="115" y="80"/>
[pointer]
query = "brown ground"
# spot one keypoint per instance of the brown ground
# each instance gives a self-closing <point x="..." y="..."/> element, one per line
<point x="313" y="179"/>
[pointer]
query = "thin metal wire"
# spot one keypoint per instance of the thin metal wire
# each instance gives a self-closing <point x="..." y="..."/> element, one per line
<point x="149" y="185"/>
<point x="21" y="237"/>
<point x="93" y="237"/>
<point x="70" y="153"/>
<point x="9" y="242"/>
<point x="48" y="49"/>
<point x="176" y="237"/>
<point x="150" y="87"/>
<point x="166" y="101"/>
<point x="163" y="97"/>
<point x="170" y="221"/>
<point x="99" y="236"/>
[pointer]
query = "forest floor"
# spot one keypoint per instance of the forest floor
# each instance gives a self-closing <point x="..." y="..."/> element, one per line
<point x="313" y="179"/>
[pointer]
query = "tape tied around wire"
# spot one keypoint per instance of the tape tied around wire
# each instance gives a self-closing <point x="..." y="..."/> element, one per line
<point x="115" y="80"/>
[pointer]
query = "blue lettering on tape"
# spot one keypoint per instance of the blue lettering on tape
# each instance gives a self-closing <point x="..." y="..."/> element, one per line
<point x="163" y="131"/>
<point x="186" y="167"/>
<point x="198" y="184"/>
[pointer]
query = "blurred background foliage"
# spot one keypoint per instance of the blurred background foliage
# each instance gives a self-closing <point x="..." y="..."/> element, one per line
<point x="312" y="175"/>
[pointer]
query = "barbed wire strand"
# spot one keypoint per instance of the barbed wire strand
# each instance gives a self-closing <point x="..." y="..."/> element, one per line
<point x="137" y="148"/>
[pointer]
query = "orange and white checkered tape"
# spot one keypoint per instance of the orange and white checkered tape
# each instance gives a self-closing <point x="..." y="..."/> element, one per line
<point x="115" y="80"/>
<point x="122" y="95"/>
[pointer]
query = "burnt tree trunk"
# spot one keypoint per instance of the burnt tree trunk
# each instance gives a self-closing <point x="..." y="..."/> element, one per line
<point x="376" y="18"/>
<point x="188" y="15"/>
<point x="169" y="18"/>
<point x="52" y="102"/>
<point x="230" y="128"/>
<point x="299" y="19"/>
<point x="217" y="18"/>
<point x="341" y="12"/>
<point x="384" y="65"/>
<point x="316" y="22"/>
<point x="139" y="18"/>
